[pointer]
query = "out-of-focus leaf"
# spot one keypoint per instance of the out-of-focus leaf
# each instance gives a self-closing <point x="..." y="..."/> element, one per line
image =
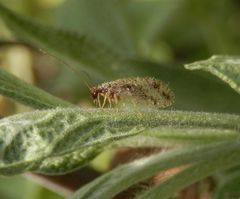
<point x="115" y="181"/>
<point x="60" y="140"/>
<point x="147" y="19"/>
<point x="228" y="186"/>
<point x="72" y="46"/>
<point x="8" y="184"/>
<point x="227" y="158"/>
<point x="24" y="189"/>
<point x="100" y="19"/>
<point x="122" y="25"/>
<point x="226" y="68"/>
<point x="27" y="94"/>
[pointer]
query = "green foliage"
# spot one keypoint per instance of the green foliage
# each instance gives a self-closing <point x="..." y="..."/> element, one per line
<point x="228" y="185"/>
<point x="225" y="67"/>
<point x="96" y="19"/>
<point x="19" y="90"/>
<point x="103" y="63"/>
<point x="206" y="158"/>
<point x="75" y="47"/>
<point x="62" y="137"/>
<point x="60" y="140"/>
<point x="195" y="172"/>
<point x="24" y="189"/>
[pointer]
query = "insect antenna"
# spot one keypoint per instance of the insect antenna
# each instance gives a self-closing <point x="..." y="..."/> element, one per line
<point x="80" y="73"/>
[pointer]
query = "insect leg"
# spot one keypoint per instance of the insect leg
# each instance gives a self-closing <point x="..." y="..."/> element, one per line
<point x="98" y="100"/>
<point x="104" y="101"/>
<point x="115" y="99"/>
<point x="109" y="101"/>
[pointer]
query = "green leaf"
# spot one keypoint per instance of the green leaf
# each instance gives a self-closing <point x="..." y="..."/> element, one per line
<point x="117" y="180"/>
<point x="57" y="141"/>
<point x="226" y="68"/>
<point x="228" y="186"/>
<point x="221" y="160"/>
<point x="60" y="140"/>
<point x="77" y="48"/>
<point x="14" y="88"/>
<point x="149" y="18"/>
<point x="100" y="19"/>
<point x="190" y="136"/>
<point x="24" y="189"/>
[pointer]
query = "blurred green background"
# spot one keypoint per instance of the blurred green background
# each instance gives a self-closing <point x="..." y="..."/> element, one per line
<point x="21" y="188"/>
<point x="160" y="35"/>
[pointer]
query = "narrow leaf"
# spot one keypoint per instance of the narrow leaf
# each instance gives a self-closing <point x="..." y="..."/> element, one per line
<point x="60" y="140"/>
<point x="74" y="47"/>
<point x="16" y="89"/>
<point x="220" y="161"/>
<point x="117" y="180"/>
<point x="226" y="68"/>
<point x="191" y="136"/>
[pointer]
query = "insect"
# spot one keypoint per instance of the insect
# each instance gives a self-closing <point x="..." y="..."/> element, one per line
<point x="147" y="90"/>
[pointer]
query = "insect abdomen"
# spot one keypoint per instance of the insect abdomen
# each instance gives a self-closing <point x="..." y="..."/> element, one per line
<point x="146" y="90"/>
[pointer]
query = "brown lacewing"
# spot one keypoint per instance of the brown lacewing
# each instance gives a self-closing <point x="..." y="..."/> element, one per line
<point x="146" y="90"/>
